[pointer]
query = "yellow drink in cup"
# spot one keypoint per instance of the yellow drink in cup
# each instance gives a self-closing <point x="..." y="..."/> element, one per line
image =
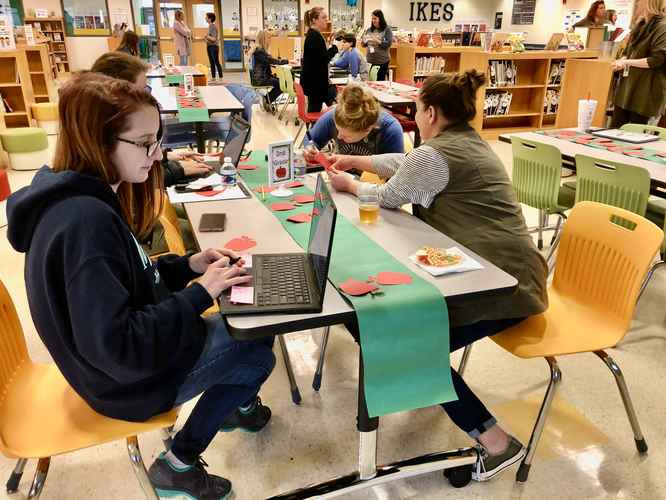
<point x="368" y="207"/>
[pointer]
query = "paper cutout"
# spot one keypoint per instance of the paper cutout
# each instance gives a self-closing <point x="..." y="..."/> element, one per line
<point x="392" y="278"/>
<point x="295" y="184"/>
<point x="298" y="218"/>
<point x="264" y="189"/>
<point x="280" y="207"/>
<point x="210" y="192"/>
<point x="240" y="244"/>
<point x="322" y="160"/>
<point x="567" y="133"/>
<point x="304" y="198"/>
<point x="242" y="295"/>
<point x="246" y="166"/>
<point x="357" y="288"/>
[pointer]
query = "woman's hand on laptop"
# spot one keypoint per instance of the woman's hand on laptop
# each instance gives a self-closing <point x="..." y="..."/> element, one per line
<point x="200" y="261"/>
<point x="219" y="276"/>
<point x="195" y="168"/>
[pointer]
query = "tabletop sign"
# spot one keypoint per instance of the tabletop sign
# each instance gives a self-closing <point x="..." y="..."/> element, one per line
<point x="280" y="167"/>
<point x="188" y="83"/>
<point x="42" y="13"/>
<point x="168" y="60"/>
<point x="29" y="34"/>
<point x="7" y="41"/>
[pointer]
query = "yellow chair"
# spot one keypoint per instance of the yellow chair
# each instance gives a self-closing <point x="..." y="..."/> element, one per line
<point x="604" y="255"/>
<point x="46" y="114"/>
<point x="42" y="416"/>
<point x="169" y="220"/>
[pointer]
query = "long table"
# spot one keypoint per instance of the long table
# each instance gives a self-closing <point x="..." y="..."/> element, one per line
<point x="161" y="72"/>
<point x="400" y="234"/>
<point x="570" y="149"/>
<point x="216" y="98"/>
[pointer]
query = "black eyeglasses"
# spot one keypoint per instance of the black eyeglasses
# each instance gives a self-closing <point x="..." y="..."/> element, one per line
<point x="149" y="147"/>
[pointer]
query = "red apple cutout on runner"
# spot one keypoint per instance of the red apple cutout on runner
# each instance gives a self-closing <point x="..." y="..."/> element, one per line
<point x="240" y="244"/>
<point x="279" y="207"/>
<point x="357" y="288"/>
<point x="304" y="198"/>
<point x="299" y="218"/>
<point x="295" y="184"/>
<point x="246" y="166"/>
<point x="264" y="189"/>
<point x="392" y="278"/>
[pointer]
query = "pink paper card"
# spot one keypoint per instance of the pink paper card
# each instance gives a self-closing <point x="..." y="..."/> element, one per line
<point x="242" y="295"/>
<point x="247" y="260"/>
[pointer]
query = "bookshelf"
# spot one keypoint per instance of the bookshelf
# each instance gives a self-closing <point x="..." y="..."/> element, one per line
<point x="15" y="88"/>
<point x="41" y="75"/>
<point x="407" y="58"/>
<point x="54" y="29"/>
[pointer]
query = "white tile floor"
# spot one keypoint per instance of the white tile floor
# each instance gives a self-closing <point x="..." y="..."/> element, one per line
<point x="587" y="450"/>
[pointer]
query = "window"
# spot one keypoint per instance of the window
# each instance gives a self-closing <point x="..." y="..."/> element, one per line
<point x="168" y="13"/>
<point x="282" y="16"/>
<point x="144" y="17"/>
<point x="14" y="9"/>
<point x="346" y="15"/>
<point x="86" y="17"/>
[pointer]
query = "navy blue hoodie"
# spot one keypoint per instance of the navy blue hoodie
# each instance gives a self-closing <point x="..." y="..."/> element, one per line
<point x="123" y="332"/>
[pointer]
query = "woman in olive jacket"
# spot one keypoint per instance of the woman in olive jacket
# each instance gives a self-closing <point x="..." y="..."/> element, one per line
<point x="641" y="93"/>
<point x="314" y="75"/>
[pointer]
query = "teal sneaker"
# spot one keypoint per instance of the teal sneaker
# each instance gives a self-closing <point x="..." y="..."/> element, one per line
<point x="192" y="482"/>
<point x="251" y="420"/>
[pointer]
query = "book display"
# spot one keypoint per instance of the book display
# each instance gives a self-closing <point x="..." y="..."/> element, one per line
<point x="53" y="29"/>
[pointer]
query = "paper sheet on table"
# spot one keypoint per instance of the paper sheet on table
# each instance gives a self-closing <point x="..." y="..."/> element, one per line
<point x="213" y="179"/>
<point x="230" y="193"/>
<point x="466" y="264"/>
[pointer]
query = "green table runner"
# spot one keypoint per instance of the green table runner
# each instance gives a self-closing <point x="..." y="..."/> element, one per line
<point x="174" y="78"/>
<point x="404" y="332"/>
<point x="195" y="111"/>
<point x="615" y="146"/>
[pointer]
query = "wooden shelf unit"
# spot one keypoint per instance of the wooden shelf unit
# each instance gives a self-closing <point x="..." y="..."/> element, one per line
<point x="53" y="27"/>
<point x="526" y="111"/>
<point x="407" y="53"/>
<point x="41" y="75"/>
<point x="16" y="89"/>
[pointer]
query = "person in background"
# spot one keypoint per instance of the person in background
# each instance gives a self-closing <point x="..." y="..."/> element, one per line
<point x="129" y="44"/>
<point x="213" y="46"/>
<point x="358" y="126"/>
<point x="182" y="37"/>
<point x="177" y="165"/>
<point x="611" y="17"/>
<point x="378" y="39"/>
<point x="641" y="93"/>
<point x="316" y="56"/>
<point x="596" y="16"/>
<point x="351" y="59"/>
<point x="261" y="65"/>
<point x="126" y="333"/>
<point x="458" y="185"/>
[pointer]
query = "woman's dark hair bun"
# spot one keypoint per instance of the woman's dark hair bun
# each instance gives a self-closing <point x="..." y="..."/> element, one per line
<point x="474" y="79"/>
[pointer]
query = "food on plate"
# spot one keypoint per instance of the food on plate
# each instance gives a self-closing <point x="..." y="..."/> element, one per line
<point x="437" y="257"/>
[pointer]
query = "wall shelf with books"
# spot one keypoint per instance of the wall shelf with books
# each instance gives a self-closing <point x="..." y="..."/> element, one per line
<point x="15" y="89"/>
<point x="40" y="72"/>
<point x="53" y="29"/>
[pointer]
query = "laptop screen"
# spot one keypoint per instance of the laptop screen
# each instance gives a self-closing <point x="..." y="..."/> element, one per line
<point x="239" y="129"/>
<point x="321" y="233"/>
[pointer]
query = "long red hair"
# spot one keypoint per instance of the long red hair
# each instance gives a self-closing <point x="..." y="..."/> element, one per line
<point x="94" y="109"/>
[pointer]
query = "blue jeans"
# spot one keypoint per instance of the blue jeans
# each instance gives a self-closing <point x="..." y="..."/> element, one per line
<point x="214" y="60"/>
<point x="229" y="373"/>
<point x="183" y="60"/>
<point x="468" y="412"/>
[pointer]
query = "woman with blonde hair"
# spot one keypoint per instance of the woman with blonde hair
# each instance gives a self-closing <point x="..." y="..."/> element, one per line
<point x="641" y="93"/>
<point x="182" y="37"/>
<point x="358" y="126"/>
<point x="458" y="185"/>
<point x="261" y="65"/>
<point x="125" y="332"/>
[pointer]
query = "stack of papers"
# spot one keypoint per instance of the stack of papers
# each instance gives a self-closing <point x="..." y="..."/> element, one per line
<point x="215" y="181"/>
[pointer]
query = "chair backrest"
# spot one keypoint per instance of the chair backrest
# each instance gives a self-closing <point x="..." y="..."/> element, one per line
<point x="612" y="183"/>
<point x="169" y="220"/>
<point x="301" y="105"/>
<point x="288" y="81"/>
<point x="372" y="74"/>
<point x="537" y="171"/>
<point x="13" y="351"/>
<point x="280" y="71"/>
<point x="603" y="257"/>
<point x="247" y="97"/>
<point x="204" y="69"/>
<point x="645" y="129"/>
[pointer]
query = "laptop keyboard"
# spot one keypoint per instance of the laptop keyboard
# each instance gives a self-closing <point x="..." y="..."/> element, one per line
<point x="281" y="280"/>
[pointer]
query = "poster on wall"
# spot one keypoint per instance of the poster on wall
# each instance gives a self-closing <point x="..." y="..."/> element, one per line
<point x="523" y="12"/>
<point x="498" y="20"/>
<point x="29" y="34"/>
<point x="7" y="41"/>
<point x="571" y="18"/>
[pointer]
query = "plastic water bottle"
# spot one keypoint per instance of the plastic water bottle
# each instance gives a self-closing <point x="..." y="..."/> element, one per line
<point x="228" y="172"/>
<point x="300" y="168"/>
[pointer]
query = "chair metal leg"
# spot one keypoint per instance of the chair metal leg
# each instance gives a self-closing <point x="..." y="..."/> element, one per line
<point x="641" y="445"/>
<point x="648" y="277"/>
<point x="555" y="379"/>
<point x="167" y="437"/>
<point x="15" y="477"/>
<point x="540" y="230"/>
<point x="298" y="132"/>
<point x="316" y="381"/>
<point x="140" y="469"/>
<point x="295" y="393"/>
<point x="463" y="361"/>
<point x="558" y="226"/>
<point x="40" y="477"/>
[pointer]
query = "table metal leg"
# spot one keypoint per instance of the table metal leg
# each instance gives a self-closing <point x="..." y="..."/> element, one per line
<point x="368" y="475"/>
<point x="201" y="139"/>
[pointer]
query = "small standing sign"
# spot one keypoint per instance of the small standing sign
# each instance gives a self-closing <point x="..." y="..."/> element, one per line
<point x="280" y="167"/>
<point x="42" y="13"/>
<point x="29" y="34"/>
<point x="188" y="83"/>
<point x="168" y="60"/>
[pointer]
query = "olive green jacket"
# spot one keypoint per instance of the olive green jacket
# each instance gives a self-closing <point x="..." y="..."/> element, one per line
<point x="643" y="91"/>
<point x="479" y="209"/>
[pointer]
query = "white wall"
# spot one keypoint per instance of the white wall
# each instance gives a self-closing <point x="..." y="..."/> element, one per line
<point x="82" y="50"/>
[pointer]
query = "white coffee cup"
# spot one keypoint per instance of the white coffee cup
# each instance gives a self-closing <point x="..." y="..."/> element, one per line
<point x="586" y="110"/>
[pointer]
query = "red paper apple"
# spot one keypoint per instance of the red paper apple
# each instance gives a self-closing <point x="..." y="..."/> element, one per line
<point x="279" y="207"/>
<point x="299" y="218"/>
<point x="295" y="184"/>
<point x="281" y="172"/>
<point x="304" y="198"/>
<point x="392" y="278"/>
<point x="240" y="244"/>
<point x="357" y="288"/>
